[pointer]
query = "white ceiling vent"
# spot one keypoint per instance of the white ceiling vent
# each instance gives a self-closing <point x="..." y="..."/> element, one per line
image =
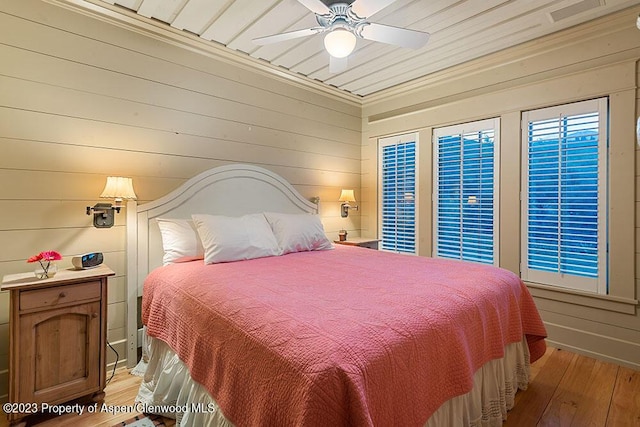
<point x="574" y="9"/>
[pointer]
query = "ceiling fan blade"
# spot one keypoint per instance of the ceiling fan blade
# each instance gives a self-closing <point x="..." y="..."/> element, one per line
<point x="337" y="65"/>
<point x="366" y="8"/>
<point x="393" y="35"/>
<point x="315" y="6"/>
<point x="275" y="38"/>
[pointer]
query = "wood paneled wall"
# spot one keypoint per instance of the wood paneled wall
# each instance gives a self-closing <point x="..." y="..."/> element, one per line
<point x="592" y="60"/>
<point x="81" y="99"/>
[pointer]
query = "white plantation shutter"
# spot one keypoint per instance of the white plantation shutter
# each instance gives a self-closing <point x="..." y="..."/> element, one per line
<point x="398" y="194"/>
<point x="465" y="191"/>
<point x="564" y="203"/>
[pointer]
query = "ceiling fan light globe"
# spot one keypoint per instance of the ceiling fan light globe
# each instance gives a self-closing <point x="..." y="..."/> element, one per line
<point x="340" y="43"/>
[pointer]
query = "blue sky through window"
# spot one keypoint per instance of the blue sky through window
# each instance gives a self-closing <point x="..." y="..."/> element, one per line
<point x="465" y="195"/>
<point x="563" y="194"/>
<point x="398" y="233"/>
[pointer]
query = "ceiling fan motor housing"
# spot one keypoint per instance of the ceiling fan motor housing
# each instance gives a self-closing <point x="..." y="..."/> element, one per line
<point x="341" y="16"/>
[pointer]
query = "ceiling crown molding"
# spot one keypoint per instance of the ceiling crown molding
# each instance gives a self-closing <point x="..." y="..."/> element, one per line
<point x="580" y="34"/>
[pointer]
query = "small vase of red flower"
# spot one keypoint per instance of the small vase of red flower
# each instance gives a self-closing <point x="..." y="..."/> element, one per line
<point x="47" y="267"/>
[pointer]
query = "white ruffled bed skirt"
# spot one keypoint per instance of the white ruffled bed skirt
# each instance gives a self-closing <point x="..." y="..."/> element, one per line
<point x="167" y="389"/>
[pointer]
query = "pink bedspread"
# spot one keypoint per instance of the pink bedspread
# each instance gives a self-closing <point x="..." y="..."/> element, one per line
<point x="343" y="337"/>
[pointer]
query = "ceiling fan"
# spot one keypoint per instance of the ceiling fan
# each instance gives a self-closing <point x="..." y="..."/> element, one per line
<point x="343" y="23"/>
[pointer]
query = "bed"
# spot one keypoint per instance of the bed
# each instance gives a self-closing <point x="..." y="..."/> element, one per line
<point x="315" y="335"/>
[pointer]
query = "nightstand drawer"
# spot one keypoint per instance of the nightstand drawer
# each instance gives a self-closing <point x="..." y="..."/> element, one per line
<point x="50" y="297"/>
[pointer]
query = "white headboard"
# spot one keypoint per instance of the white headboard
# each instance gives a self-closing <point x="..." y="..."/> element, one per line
<point x="232" y="190"/>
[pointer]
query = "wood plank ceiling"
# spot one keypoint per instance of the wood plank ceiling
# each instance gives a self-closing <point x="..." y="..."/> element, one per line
<point x="461" y="30"/>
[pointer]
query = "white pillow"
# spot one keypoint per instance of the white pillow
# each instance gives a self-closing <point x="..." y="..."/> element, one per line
<point x="235" y="238"/>
<point x="179" y="240"/>
<point x="298" y="232"/>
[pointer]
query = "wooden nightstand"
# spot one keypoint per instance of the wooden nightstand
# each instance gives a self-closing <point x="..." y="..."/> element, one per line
<point x="57" y="337"/>
<point x="359" y="241"/>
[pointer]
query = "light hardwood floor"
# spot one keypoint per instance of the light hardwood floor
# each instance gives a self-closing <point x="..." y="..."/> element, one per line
<point x="566" y="389"/>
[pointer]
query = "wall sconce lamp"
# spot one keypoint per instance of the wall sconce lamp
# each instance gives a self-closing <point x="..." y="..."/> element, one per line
<point x="117" y="188"/>
<point x="346" y="196"/>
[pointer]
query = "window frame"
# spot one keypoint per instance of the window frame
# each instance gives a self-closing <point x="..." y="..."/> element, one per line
<point x="396" y="140"/>
<point x="560" y="280"/>
<point x="461" y="129"/>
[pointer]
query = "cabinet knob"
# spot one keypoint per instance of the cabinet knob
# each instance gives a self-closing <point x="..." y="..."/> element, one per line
<point x="94" y="315"/>
<point x="62" y="295"/>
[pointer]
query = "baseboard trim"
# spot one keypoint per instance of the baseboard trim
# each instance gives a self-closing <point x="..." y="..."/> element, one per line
<point x="593" y="354"/>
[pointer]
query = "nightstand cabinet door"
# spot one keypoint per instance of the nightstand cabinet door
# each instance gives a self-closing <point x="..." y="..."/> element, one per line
<point x="59" y="353"/>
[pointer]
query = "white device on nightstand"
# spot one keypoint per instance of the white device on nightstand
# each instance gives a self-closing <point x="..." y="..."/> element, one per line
<point x="88" y="260"/>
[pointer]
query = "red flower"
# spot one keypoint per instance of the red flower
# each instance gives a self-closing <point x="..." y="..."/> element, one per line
<point x="51" y="256"/>
<point x="35" y="258"/>
<point x="46" y="256"/>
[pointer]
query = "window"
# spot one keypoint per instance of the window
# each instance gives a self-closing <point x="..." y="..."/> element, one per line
<point x="465" y="191"/>
<point x="398" y="192"/>
<point x="564" y="198"/>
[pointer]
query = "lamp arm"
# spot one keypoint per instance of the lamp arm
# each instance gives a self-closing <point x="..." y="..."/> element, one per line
<point x="344" y="209"/>
<point x="102" y="208"/>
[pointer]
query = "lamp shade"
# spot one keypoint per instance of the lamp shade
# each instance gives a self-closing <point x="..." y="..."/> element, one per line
<point x="340" y="43"/>
<point x="347" y="196"/>
<point x="118" y="188"/>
